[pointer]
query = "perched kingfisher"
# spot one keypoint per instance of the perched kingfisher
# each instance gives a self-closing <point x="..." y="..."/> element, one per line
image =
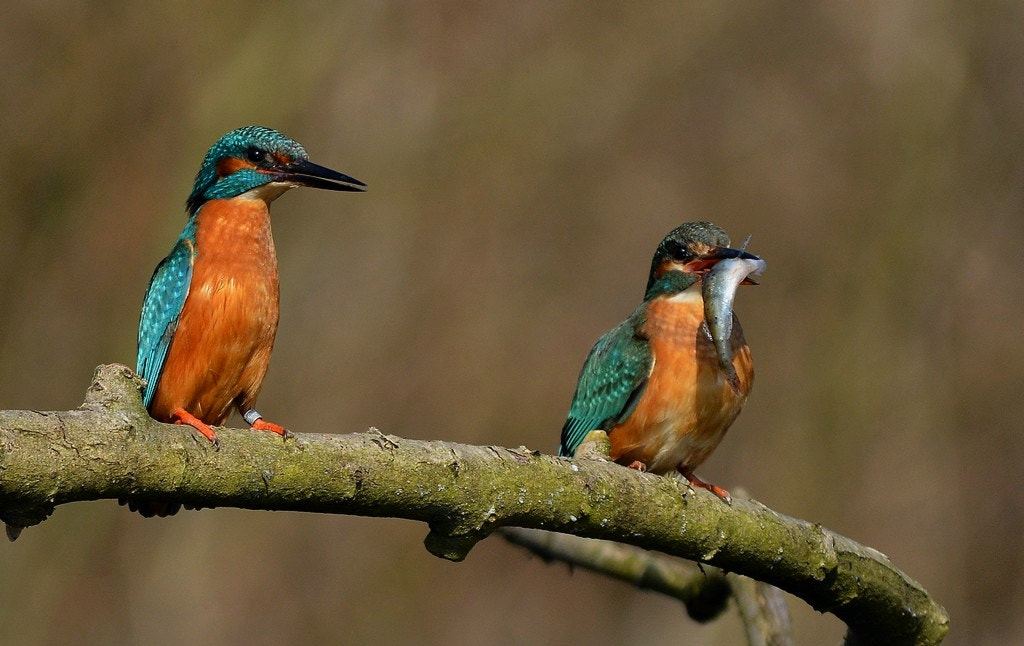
<point x="210" y="313"/>
<point x="658" y="383"/>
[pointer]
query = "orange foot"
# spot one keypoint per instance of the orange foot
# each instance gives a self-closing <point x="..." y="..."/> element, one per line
<point x="257" y="423"/>
<point x="181" y="416"/>
<point x="638" y="465"/>
<point x="697" y="482"/>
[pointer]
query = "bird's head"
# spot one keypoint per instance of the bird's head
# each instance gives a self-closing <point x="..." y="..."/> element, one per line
<point x="687" y="253"/>
<point x="262" y="160"/>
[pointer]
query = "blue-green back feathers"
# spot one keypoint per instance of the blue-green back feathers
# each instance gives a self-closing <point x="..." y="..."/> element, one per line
<point x="161" y="309"/>
<point x="610" y="384"/>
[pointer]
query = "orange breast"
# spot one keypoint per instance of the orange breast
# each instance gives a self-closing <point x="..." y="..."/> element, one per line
<point x="687" y="404"/>
<point x="221" y="349"/>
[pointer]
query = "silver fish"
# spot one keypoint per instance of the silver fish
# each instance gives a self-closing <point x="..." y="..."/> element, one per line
<point x="719" y="292"/>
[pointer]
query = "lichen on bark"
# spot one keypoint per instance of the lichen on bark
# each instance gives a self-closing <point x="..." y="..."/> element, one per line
<point x="110" y="448"/>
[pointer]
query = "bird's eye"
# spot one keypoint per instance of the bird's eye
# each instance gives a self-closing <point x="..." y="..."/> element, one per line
<point x="255" y="155"/>
<point x="678" y="252"/>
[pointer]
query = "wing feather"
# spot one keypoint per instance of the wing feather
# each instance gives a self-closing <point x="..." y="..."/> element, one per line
<point x="161" y="309"/>
<point x="611" y="381"/>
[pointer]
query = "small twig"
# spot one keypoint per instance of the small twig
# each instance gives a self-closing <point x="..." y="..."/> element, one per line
<point x="763" y="611"/>
<point x="703" y="589"/>
<point x="705" y="593"/>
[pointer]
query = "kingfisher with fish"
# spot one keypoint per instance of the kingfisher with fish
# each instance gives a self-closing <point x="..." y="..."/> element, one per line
<point x="666" y="383"/>
<point x="210" y="314"/>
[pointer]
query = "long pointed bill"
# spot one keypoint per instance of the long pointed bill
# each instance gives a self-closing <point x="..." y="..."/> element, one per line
<point x="722" y="253"/>
<point x="306" y="173"/>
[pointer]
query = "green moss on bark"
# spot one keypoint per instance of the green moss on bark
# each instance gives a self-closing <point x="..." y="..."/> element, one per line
<point x="110" y="448"/>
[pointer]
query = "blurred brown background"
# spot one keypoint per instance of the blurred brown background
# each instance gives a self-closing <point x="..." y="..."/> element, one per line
<point x="524" y="160"/>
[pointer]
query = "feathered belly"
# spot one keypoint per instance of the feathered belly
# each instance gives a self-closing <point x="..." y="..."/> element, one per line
<point x="221" y="349"/>
<point x="687" y="404"/>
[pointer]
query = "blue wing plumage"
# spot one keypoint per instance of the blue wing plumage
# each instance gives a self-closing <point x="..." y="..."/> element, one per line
<point x="161" y="309"/>
<point x="611" y="381"/>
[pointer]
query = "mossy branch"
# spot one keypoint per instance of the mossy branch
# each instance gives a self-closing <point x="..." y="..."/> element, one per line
<point x="110" y="448"/>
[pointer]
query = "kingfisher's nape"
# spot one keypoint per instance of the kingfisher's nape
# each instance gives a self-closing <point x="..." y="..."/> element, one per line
<point x="210" y="314"/>
<point x="664" y="384"/>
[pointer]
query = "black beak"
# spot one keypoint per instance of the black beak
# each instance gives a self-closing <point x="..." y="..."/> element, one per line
<point x="306" y="173"/>
<point x="722" y="253"/>
<point x="712" y="258"/>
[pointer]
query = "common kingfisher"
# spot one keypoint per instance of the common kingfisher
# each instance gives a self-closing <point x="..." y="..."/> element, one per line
<point x="656" y="382"/>
<point x="210" y="313"/>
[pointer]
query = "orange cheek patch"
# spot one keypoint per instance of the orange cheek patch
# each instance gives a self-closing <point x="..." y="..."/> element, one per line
<point x="665" y="267"/>
<point x="231" y="165"/>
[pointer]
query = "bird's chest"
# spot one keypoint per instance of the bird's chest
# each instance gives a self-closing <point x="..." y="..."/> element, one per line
<point x="680" y="342"/>
<point x="687" y="404"/>
<point x="225" y="333"/>
<point x="229" y="321"/>
<point x="235" y="284"/>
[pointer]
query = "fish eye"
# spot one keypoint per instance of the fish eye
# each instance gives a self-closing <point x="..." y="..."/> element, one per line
<point x="255" y="155"/>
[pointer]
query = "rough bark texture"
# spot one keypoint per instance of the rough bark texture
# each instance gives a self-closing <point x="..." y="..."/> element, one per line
<point x="110" y="448"/>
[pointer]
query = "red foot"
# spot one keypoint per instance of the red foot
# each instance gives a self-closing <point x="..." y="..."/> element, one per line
<point x="263" y="425"/>
<point x="638" y="465"/>
<point x="181" y="416"/>
<point x="700" y="484"/>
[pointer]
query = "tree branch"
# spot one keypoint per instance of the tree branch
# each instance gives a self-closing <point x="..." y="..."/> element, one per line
<point x="110" y="448"/>
<point x="763" y="609"/>
<point x="705" y="591"/>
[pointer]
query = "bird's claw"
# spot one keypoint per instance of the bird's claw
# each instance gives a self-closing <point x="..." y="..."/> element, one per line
<point x="263" y="425"/>
<point x="693" y="481"/>
<point x="182" y="416"/>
